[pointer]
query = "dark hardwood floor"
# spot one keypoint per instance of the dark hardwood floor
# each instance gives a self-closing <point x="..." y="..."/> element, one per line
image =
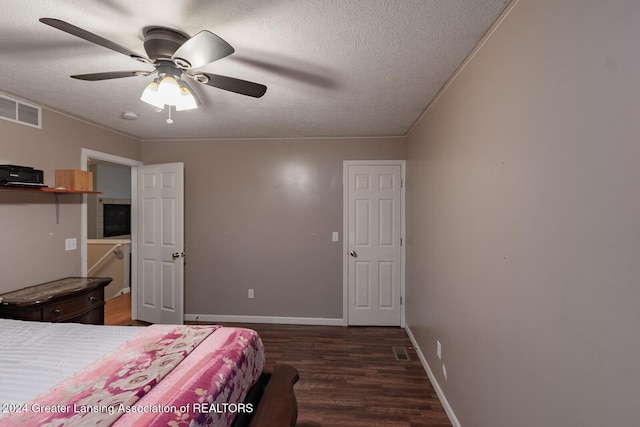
<point x="349" y="376"/>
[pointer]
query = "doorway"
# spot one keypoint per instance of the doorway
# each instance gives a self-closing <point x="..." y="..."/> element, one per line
<point x="125" y="165"/>
<point x="374" y="250"/>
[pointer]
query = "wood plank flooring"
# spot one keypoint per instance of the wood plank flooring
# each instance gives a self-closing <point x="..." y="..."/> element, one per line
<point x="117" y="311"/>
<point x="349" y="376"/>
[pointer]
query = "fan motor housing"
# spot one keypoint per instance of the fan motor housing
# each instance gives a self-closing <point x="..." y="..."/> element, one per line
<point x="160" y="43"/>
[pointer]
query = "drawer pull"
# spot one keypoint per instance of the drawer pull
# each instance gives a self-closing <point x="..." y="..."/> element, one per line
<point x="57" y="312"/>
<point x="92" y="298"/>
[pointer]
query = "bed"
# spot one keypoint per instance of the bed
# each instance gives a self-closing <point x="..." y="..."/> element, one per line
<point x="67" y="374"/>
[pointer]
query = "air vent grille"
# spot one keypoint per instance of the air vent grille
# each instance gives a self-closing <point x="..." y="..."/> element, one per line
<point x="401" y="353"/>
<point x="18" y="111"/>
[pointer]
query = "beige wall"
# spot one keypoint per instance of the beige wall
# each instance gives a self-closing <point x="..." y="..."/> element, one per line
<point x="32" y="243"/>
<point x="524" y="221"/>
<point x="259" y="214"/>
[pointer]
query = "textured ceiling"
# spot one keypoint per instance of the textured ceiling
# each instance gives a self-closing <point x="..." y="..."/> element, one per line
<point x="333" y="68"/>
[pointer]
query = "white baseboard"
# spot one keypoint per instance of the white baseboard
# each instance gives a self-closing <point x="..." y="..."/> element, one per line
<point x="434" y="382"/>
<point x="264" y="319"/>
<point x="121" y="292"/>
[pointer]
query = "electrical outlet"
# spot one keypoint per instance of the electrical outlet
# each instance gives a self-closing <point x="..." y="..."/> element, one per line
<point x="70" y="244"/>
<point x="250" y="294"/>
<point x="335" y="236"/>
<point x="439" y="349"/>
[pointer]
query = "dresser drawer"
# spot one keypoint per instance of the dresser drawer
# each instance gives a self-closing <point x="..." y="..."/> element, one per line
<point x="20" y="313"/>
<point x="72" y="307"/>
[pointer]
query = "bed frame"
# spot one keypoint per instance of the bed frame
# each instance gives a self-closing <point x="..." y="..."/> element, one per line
<point x="274" y="399"/>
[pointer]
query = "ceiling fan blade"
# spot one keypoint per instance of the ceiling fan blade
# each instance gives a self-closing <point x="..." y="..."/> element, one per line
<point x="231" y="84"/>
<point x="202" y="49"/>
<point x="111" y="75"/>
<point x="93" y="38"/>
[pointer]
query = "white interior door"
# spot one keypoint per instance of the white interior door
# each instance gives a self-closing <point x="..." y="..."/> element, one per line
<point x="374" y="233"/>
<point x="160" y="243"/>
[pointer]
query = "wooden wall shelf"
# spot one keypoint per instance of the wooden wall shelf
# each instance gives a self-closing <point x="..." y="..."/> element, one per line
<point x="61" y="191"/>
<point x="49" y="190"/>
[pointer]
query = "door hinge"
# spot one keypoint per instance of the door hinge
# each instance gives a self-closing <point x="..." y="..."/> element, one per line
<point x="401" y="182"/>
<point x="400" y="300"/>
<point x="401" y="242"/>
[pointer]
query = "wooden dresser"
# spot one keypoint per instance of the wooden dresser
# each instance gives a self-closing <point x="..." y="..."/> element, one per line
<point x="72" y="299"/>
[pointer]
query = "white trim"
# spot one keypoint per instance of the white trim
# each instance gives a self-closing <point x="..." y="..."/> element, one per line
<point x="264" y="319"/>
<point x="121" y="292"/>
<point x="345" y="231"/>
<point x="434" y="382"/>
<point x="87" y="154"/>
<point x="276" y="138"/>
<point x="134" y="241"/>
<point x="345" y="243"/>
<point x="106" y="157"/>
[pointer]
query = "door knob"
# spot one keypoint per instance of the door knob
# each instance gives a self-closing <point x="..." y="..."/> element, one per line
<point x="175" y="255"/>
<point x="353" y="254"/>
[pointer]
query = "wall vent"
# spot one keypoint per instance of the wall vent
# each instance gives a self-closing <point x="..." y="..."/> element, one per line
<point x="17" y="111"/>
<point x="401" y="353"/>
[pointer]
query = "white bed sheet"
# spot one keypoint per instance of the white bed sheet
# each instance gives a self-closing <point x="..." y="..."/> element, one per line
<point x="35" y="356"/>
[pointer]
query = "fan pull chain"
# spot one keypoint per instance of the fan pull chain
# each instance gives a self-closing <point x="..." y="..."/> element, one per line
<point x="169" y="120"/>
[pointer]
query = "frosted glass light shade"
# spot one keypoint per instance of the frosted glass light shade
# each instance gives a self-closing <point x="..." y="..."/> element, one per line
<point x="169" y="90"/>
<point x="187" y="101"/>
<point x="151" y="95"/>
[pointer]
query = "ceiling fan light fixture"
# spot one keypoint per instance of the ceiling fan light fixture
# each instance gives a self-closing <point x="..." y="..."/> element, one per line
<point x="172" y="53"/>
<point x="170" y="91"/>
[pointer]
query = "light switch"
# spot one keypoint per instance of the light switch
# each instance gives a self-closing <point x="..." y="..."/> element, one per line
<point x="335" y="236"/>
<point x="70" y="244"/>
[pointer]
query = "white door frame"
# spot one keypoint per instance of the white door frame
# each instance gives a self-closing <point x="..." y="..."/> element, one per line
<point x="345" y="231"/>
<point x="87" y="154"/>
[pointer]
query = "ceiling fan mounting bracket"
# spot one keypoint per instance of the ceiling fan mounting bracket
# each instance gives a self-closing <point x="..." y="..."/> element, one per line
<point x="200" y="78"/>
<point x="183" y="64"/>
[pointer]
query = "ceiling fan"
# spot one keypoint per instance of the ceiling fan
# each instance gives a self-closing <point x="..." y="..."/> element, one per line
<point x="173" y="54"/>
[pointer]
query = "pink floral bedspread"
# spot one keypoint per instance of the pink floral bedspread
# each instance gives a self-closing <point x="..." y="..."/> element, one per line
<point x="167" y="375"/>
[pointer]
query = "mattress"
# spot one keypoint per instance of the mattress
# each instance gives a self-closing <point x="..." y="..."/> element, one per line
<point x="35" y="356"/>
<point x="157" y="375"/>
